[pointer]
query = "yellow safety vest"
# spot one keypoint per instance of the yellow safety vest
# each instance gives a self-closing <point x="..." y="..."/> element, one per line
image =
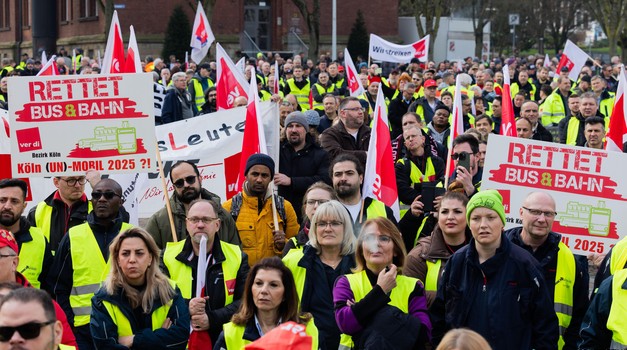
<point x="618" y="259"/>
<point x="573" y="131"/>
<point x="32" y="257"/>
<point x="616" y="321"/>
<point x="43" y="218"/>
<point x="606" y="106"/>
<point x="199" y="93"/>
<point x="399" y="297"/>
<point x="291" y="260"/>
<point x="321" y="91"/>
<point x="265" y="95"/>
<point x="90" y="270"/>
<point x="182" y="274"/>
<point x="234" y="335"/>
<point x="157" y="317"/>
<point x="564" y="288"/>
<point x="375" y="209"/>
<point x="416" y="176"/>
<point x="433" y="274"/>
<point x="514" y="88"/>
<point x="553" y="109"/>
<point x="66" y="347"/>
<point x="302" y="95"/>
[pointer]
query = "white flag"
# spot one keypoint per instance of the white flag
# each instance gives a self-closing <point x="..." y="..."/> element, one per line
<point x="383" y="50"/>
<point x="202" y="36"/>
<point x="574" y="58"/>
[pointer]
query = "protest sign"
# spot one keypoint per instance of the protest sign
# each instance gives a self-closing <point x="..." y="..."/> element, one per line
<point x="587" y="185"/>
<point x="66" y="125"/>
<point x="383" y="50"/>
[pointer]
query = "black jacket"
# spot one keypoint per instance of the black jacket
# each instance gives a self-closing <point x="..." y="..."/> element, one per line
<point x="542" y="134"/>
<point x="172" y="109"/>
<point x="397" y="108"/>
<point x="594" y="332"/>
<point x="406" y="192"/>
<point x="336" y="140"/>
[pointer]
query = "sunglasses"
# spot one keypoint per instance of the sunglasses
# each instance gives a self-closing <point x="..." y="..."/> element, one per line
<point x="107" y="195"/>
<point x="181" y="182"/>
<point x="30" y="330"/>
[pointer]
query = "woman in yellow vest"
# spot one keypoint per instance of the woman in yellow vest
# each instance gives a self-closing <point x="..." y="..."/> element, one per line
<point x="327" y="256"/>
<point x="270" y="298"/>
<point x="138" y="307"/>
<point x="377" y="307"/>
<point x="427" y="260"/>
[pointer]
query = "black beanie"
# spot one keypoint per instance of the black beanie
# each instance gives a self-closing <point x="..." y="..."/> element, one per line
<point x="260" y="159"/>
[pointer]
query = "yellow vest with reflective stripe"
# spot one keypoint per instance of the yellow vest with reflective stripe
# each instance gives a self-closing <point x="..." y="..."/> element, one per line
<point x="573" y="131"/>
<point x="234" y="335"/>
<point x="157" y="316"/>
<point x="515" y="87"/>
<point x="618" y="259"/>
<point x="433" y="274"/>
<point x="32" y="257"/>
<point x="291" y="260"/>
<point x="616" y="321"/>
<point x="416" y="176"/>
<point x="90" y="270"/>
<point x="553" y="109"/>
<point x="302" y="95"/>
<point x="199" y="93"/>
<point x="322" y="91"/>
<point x="563" y="294"/>
<point x="606" y="106"/>
<point x="43" y="218"/>
<point x="182" y="274"/>
<point x="399" y="297"/>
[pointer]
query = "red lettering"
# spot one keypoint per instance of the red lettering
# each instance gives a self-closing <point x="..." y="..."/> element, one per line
<point x="173" y="145"/>
<point x="36" y="88"/>
<point x="516" y="150"/>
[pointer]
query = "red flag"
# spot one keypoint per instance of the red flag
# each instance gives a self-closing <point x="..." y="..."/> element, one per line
<point x="254" y="137"/>
<point x="276" y="88"/>
<point x="132" y="64"/>
<point x="288" y="336"/>
<point x="617" y="129"/>
<point x="114" y="52"/>
<point x="230" y="81"/>
<point x="202" y="35"/>
<point x="574" y="58"/>
<point x="352" y="76"/>
<point x="456" y="122"/>
<point x="50" y="68"/>
<point x="380" y="176"/>
<point x="508" y="120"/>
<point x="311" y="100"/>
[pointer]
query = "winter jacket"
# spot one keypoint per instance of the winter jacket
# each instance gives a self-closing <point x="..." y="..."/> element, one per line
<point x="159" y="224"/>
<point x="594" y="328"/>
<point x="396" y="110"/>
<point x="336" y="140"/>
<point x="172" y="109"/>
<point x="408" y="190"/>
<point x="505" y="299"/>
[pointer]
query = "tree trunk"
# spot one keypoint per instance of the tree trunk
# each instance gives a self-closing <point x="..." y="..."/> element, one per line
<point x="478" y="40"/>
<point x="314" y="36"/>
<point x="208" y="6"/>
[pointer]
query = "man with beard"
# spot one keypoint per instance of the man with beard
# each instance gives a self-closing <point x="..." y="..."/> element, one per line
<point x="35" y="257"/>
<point x="350" y="134"/>
<point x="347" y="175"/>
<point x="301" y="162"/>
<point x="253" y="213"/>
<point x="80" y="264"/>
<point x="439" y="128"/>
<point x="227" y="269"/>
<point x="187" y="182"/>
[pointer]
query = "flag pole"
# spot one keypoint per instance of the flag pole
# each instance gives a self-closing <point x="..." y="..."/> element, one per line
<point x="361" y="210"/>
<point x="275" y="217"/>
<point x="167" y="197"/>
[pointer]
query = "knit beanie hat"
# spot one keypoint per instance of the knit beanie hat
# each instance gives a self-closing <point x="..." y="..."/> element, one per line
<point x="297" y="117"/>
<point x="260" y="159"/>
<point x="313" y="118"/>
<point x="490" y="199"/>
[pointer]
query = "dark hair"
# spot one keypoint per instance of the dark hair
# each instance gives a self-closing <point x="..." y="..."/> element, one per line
<point x="15" y="183"/>
<point x="498" y="98"/>
<point x="289" y="310"/>
<point x="415" y="115"/>
<point x="346" y="101"/>
<point x="595" y="120"/>
<point x="460" y="196"/>
<point x="181" y="162"/>
<point x="527" y="119"/>
<point x="469" y="139"/>
<point x="320" y="185"/>
<point x="446" y="93"/>
<point x="482" y="117"/>
<point x="27" y="295"/>
<point x="10" y="285"/>
<point x="346" y="157"/>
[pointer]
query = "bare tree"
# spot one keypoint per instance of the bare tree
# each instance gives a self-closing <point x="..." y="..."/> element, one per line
<point x="482" y="12"/>
<point x="107" y="8"/>
<point x="431" y="10"/>
<point x="559" y="19"/>
<point x="611" y="16"/>
<point x="313" y="23"/>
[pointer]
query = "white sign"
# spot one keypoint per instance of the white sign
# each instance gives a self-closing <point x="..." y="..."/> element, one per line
<point x="587" y="184"/>
<point x="514" y="19"/>
<point x="66" y="125"/>
<point x="383" y="50"/>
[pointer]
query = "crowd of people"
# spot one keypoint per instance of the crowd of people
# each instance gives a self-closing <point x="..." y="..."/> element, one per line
<point x="223" y="273"/>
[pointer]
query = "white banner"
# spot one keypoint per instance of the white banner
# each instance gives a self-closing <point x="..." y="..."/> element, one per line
<point x="383" y="50"/>
<point x="158" y="92"/>
<point x="587" y="184"/>
<point x="65" y="125"/>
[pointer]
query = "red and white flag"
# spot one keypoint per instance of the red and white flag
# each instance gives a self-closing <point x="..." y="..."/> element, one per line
<point x="241" y="64"/>
<point x="44" y="58"/>
<point x="254" y="137"/>
<point x="508" y="120"/>
<point x="383" y="50"/>
<point x="617" y="129"/>
<point x="133" y="62"/>
<point x="574" y="58"/>
<point x="230" y="83"/>
<point x="456" y="122"/>
<point x="380" y="176"/>
<point x="547" y="61"/>
<point x="276" y="88"/>
<point x="202" y="35"/>
<point x="352" y="76"/>
<point x="113" y="61"/>
<point x="50" y="68"/>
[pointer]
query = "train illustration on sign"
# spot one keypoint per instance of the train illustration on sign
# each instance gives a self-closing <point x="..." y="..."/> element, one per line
<point x="123" y="139"/>
<point x="595" y="219"/>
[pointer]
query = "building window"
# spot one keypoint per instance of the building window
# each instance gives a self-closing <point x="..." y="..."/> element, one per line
<point x="64" y="11"/>
<point x="89" y="9"/>
<point x="25" y="13"/>
<point x="5" y="14"/>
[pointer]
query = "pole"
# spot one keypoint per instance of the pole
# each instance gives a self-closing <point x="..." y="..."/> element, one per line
<point x="167" y="197"/>
<point x="334" y="31"/>
<point x="514" y="40"/>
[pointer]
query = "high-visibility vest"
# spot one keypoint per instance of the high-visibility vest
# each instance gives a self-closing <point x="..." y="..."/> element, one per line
<point x="514" y="88"/>
<point x="234" y="335"/>
<point x="433" y="274"/>
<point x="302" y="95"/>
<point x="291" y="260"/>
<point x="321" y="91"/>
<point x="43" y="217"/>
<point x="399" y="297"/>
<point x="90" y="270"/>
<point x="157" y="317"/>
<point x="416" y="176"/>
<point x="606" y="106"/>
<point x="375" y="209"/>
<point x="618" y="258"/>
<point x="553" y="109"/>
<point x="564" y="287"/>
<point x="573" y="131"/>
<point x="616" y="321"/>
<point x="182" y="274"/>
<point x="66" y="347"/>
<point x="199" y="93"/>
<point x="265" y="95"/>
<point x="32" y="256"/>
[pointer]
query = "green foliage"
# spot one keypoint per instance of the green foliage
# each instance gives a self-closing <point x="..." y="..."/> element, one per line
<point x="359" y="39"/>
<point x="177" y="35"/>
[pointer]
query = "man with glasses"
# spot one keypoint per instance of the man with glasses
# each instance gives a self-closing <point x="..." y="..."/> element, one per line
<point x="350" y="134"/>
<point x="80" y="264"/>
<point x="187" y="183"/>
<point x="560" y="267"/>
<point x="225" y="271"/>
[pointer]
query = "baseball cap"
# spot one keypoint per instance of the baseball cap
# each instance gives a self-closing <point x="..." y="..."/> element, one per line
<point x="7" y="240"/>
<point x="430" y="83"/>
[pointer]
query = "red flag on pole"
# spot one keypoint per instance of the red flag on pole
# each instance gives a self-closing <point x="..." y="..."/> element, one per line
<point x="380" y="176"/>
<point x="617" y="129"/>
<point x="352" y="76"/>
<point x="132" y="64"/>
<point x="276" y="88"/>
<point x="113" y="61"/>
<point x="230" y="83"/>
<point x="574" y="58"/>
<point x="50" y="68"/>
<point x="456" y="122"/>
<point x="508" y="120"/>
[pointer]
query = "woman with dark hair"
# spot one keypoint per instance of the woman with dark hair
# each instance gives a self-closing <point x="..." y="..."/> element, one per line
<point x="270" y="298"/>
<point x="377" y="307"/>
<point x="138" y="307"/>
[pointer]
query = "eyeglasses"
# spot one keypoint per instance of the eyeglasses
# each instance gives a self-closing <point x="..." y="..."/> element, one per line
<point x="355" y="109"/>
<point x="107" y="195"/>
<point x="460" y="155"/>
<point x="181" y="182"/>
<point x="333" y="224"/>
<point x="467" y="104"/>
<point x="73" y="181"/>
<point x="7" y="255"/>
<point x="316" y="201"/>
<point x="536" y="212"/>
<point x="30" y="330"/>
<point x="205" y="220"/>
<point x="380" y="238"/>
